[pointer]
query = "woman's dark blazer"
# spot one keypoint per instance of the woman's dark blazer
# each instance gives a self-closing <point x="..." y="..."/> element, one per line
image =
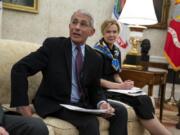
<point x="53" y="59"/>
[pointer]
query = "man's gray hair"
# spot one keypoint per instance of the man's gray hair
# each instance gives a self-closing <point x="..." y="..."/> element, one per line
<point x="86" y="13"/>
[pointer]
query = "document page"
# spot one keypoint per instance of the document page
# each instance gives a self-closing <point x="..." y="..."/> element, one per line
<point x="80" y="109"/>
<point x="135" y="91"/>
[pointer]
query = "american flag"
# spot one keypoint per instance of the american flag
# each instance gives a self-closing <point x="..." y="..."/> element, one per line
<point x="172" y="44"/>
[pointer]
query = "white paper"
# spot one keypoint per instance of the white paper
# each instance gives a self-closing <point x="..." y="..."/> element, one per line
<point x="135" y="91"/>
<point x="80" y="109"/>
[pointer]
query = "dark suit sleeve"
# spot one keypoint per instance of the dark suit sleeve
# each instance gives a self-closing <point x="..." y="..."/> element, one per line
<point x="98" y="92"/>
<point x="27" y="66"/>
<point x="1" y="116"/>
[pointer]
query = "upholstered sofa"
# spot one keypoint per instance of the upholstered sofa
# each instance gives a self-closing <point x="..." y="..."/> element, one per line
<point x="10" y="52"/>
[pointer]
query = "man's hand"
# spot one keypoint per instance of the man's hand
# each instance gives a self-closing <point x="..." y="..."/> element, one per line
<point x="3" y="131"/>
<point x="108" y="107"/>
<point x="25" y="110"/>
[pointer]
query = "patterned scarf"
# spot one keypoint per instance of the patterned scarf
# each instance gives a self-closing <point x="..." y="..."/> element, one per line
<point x="102" y="47"/>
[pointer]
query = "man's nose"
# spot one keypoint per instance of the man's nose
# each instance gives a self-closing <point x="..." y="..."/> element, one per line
<point x="77" y="26"/>
<point x="111" y="34"/>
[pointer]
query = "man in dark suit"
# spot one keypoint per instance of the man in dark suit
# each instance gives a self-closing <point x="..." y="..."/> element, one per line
<point x="19" y="125"/>
<point x="71" y="75"/>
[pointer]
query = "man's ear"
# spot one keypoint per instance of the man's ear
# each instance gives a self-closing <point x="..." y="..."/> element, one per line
<point x="92" y="31"/>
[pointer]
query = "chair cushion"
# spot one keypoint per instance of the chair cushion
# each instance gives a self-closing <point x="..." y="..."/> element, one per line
<point x="10" y="52"/>
<point x="62" y="127"/>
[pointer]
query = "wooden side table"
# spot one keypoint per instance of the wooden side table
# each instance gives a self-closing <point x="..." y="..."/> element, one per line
<point x="151" y="77"/>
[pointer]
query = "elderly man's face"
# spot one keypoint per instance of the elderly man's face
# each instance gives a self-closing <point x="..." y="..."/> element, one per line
<point x="80" y="28"/>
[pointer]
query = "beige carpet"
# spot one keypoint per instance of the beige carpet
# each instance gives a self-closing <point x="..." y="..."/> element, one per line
<point x="170" y="112"/>
<point x="170" y="118"/>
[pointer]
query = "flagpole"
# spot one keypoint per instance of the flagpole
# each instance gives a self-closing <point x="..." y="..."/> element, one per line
<point x="171" y="100"/>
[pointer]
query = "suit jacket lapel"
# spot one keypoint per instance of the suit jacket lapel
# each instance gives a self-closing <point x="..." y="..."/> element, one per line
<point x="86" y="61"/>
<point x="68" y="55"/>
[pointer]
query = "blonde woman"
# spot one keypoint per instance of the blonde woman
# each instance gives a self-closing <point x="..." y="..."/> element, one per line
<point x="110" y="78"/>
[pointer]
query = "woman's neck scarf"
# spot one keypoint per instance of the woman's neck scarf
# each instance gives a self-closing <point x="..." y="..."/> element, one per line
<point x="102" y="47"/>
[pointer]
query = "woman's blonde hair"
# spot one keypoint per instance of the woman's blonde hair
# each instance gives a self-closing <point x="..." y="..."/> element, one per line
<point x="108" y="23"/>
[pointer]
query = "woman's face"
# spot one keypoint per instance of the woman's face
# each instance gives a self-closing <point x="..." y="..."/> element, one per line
<point x="110" y="34"/>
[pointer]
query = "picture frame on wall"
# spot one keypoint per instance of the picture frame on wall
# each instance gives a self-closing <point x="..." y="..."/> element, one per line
<point x="162" y="11"/>
<point x="22" y="5"/>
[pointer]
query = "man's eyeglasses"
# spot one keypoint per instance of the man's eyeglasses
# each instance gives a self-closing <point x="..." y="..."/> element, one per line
<point x="82" y="24"/>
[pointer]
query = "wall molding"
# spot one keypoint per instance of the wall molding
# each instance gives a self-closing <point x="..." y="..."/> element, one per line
<point x="160" y="59"/>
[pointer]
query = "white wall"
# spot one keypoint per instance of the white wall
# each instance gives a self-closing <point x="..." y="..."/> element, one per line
<point x="53" y="19"/>
<point x="0" y="18"/>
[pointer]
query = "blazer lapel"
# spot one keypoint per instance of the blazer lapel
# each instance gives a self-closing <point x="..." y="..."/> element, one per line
<point x="86" y="63"/>
<point x="68" y="55"/>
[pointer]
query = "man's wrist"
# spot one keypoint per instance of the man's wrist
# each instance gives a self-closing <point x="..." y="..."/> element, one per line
<point x="100" y="102"/>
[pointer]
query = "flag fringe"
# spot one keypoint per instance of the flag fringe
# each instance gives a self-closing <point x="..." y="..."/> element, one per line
<point x="176" y="68"/>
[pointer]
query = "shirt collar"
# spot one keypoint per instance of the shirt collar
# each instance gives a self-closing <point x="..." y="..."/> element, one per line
<point x="81" y="46"/>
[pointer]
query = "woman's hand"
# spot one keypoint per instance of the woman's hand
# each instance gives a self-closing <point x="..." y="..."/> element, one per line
<point x="3" y="131"/>
<point x="128" y="84"/>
